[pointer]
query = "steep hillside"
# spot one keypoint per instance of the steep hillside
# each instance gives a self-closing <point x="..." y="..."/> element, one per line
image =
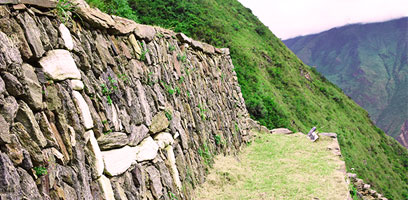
<point x="105" y="108"/>
<point x="279" y="90"/>
<point x="370" y="63"/>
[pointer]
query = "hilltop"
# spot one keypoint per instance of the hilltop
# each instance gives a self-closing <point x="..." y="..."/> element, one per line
<point x="279" y="89"/>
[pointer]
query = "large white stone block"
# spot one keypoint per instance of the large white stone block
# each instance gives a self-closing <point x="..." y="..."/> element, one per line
<point x="59" y="65"/>
<point x="117" y="161"/>
<point x="84" y="109"/>
<point x="147" y="150"/>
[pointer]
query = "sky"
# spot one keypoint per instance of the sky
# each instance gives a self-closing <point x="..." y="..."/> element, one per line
<point x="291" y="18"/>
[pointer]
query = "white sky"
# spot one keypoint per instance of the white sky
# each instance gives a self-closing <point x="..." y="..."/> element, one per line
<point x="290" y="18"/>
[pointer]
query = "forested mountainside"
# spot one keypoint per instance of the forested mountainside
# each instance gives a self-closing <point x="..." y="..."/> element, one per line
<point x="279" y="90"/>
<point x="369" y="62"/>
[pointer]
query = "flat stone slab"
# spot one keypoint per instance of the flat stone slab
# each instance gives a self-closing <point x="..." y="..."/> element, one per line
<point x="40" y="3"/>
<point x="113" y="140"/>
<point x="59" y="65"/>
<point x="281" y="131"/>
<point x="331" y="135"/>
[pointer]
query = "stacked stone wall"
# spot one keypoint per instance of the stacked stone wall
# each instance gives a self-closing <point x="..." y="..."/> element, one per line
<point x="100" y="107"/>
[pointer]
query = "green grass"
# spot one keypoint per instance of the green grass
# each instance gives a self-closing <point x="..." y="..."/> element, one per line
<point x="278" y="167"/>
<point x="281" y="91"/>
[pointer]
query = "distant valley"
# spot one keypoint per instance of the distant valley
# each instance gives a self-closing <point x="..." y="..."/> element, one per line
<point x="370" y="63"/>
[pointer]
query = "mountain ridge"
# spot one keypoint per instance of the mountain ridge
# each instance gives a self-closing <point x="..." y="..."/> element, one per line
<point x="368" y="62"/>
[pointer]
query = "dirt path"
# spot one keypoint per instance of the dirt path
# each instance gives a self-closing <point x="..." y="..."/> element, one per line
<point x="279" y="167"/>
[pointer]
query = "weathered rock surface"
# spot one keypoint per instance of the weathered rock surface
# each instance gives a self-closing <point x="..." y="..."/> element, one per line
<point x="26" y="116"/>
<point x="138" y="133"/>
<point x="112" y="140"/>
<point x="9" y="54"/>
<point x="28" y="186"/>
<point x="123" y="25"/>
<point x="13" y="86"/>
<point x="159" y="123"/>
<point x="145" y="32"/>
<point x="96" y="18"/>
<point x="59" y="65"/>
<point x="26" y="141"/>
<point x="155" y="183"/>
<point x="32" y="33"/>
<point x="40" y="3"/>
<point x="9" y="108"/>
<point x="4" y="131"/>
<point x="9" y="179"/>
<point x="33" y="94"/>
<point x="363" y="190"/>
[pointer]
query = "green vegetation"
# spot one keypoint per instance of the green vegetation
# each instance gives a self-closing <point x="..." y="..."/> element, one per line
<point x="281" y="91"/>
<point x="40" y="171"/>
<point x="115" y="7"/>
<point x="168" y="115"/>
<point x="182" y="57"/>
<point x="63" y="9"/>
<point x="107" y="132"/>
<point x="206" y="155"/>
<point x="172" y="196"/>
<point x="172" y="48"/>
<point x="107" y="92"/>
<point x="202" y="111"/>
<point x="278" y="167"/>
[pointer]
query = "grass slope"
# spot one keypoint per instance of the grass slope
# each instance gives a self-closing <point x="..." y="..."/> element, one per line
<point x="278" y="167"/>
<point x="281" y="91"/>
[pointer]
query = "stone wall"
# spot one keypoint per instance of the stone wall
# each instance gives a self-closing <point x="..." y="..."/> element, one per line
<point x="104" y="108"/>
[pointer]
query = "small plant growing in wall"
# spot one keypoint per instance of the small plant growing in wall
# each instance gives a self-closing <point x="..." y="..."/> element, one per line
<point x="172" y="48"/>
<point x="143" y="53"/>
<point x="182" y="58"/>
<point x="63" y="8"/>
<point x="40" y="171"/>
<point x="106" y="92"/>
<point x="172" y="196"/>
<point x="217" y="139"/>
<point x="168" y="115"/>
<point x="169" y="89"/>
<point x="236" y="129"/>
<point x="202" y="112"/>
<point x="205" y="154"/>
<point x="108" y="132"/>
